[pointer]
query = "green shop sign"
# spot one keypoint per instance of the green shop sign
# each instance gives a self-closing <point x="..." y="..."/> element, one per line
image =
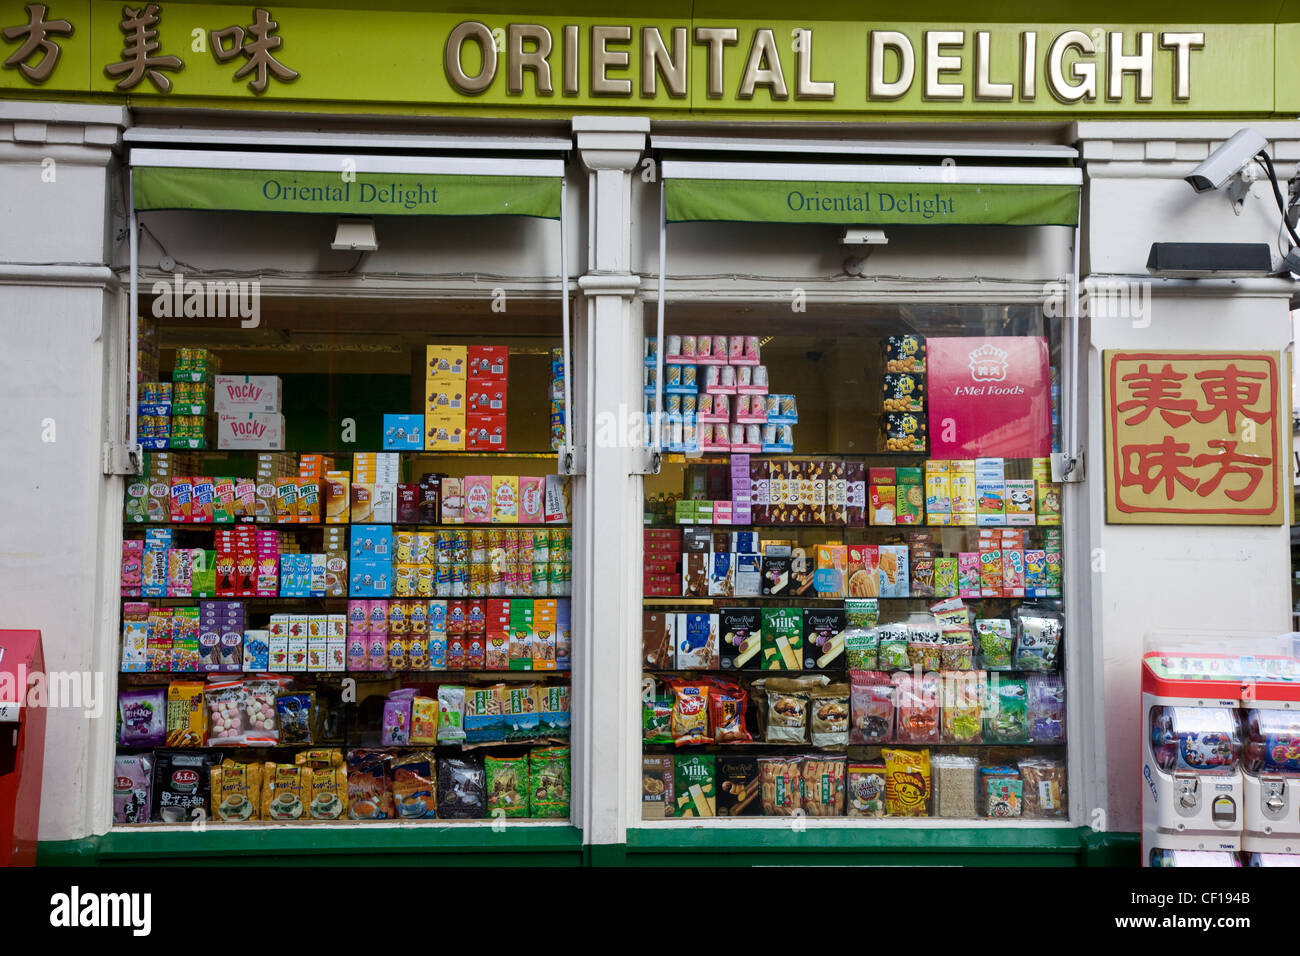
<point x="1018" y="204"/>
<point x="363" y="193"/>
<point x="406" y="59"/>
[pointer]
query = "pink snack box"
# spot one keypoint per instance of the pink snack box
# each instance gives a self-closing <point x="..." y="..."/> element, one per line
<point x="132" y="567"/>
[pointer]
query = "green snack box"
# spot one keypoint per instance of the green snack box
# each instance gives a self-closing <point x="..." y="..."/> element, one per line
<point x="693" y="785"/>
<point x="782" y="639"/>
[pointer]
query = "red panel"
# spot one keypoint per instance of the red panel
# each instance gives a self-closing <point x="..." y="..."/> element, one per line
<point x="20" y="790"/>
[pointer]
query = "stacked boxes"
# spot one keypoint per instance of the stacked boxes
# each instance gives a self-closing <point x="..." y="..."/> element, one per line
<point x="192" y="382"/>
<point x="271" y="468"/>
<point x="248" y="411"/>
<point x="720" y="564"/>
<point x="371" y="564"/>
<point x="247" y="563"/>
<point x="403" y="432"/>
<point x="300" y="643"/>
<point x="489" y="371"/>
<point x="375" y="477"/>
<point x="153" y="414"/>
<point x="557" y="399"/>
<point x="662" y="563"/>
<point x="221" y="635"/>
<point x="445" y="397"/>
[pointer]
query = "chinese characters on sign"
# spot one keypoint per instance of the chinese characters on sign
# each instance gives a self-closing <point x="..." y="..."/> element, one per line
<point x="1193" y="438"/>
<point x="35" y="35"/>
<point x="143" y="57"/>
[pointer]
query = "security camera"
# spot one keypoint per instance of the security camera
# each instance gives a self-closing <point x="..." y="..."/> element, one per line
<point x="1228" y="160"/>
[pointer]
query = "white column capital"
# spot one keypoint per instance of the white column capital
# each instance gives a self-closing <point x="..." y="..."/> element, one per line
<point x="611" y="142"/>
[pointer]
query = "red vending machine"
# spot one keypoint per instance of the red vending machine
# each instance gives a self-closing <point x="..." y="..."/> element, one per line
<point x="22" y="748"/>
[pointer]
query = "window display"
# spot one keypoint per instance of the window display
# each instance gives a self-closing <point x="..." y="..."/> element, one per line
<point x="853" y="588"/>
<point x="345" y="577"/>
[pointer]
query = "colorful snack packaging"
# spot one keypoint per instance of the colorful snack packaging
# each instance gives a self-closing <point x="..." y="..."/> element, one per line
<point x="657" y="720"/>
<point x="186" y="718"/>
<point x="132" y="788"/>
<point x="519" y="712"/>
<point x="787" y="710"/>
<point x="548" y="782"/>
<point x="395" y="731"/>
<point x="690" y="718"/>
<point x="907" y="782"/>
<point x="916" y="705"/>
<point x="871" y="706"/>
<point x="235" y="791"/>
<point x="143" y="715"/>
<point x="1007" y="720"/>
<point x="294" y="713"/>
<point x="1001" y="791"/>
<point x="553" y="710"/>
<point x="1043" y="788"/>
<point x="327" y="792"/>
<point x="507" y="786"/>
<point x="1046" y="708"/>
<point x="829" y="719"/>
<point x="893" y="655"/>
<point x="485" y="721"/>
<point x="1038" y="638"/>
<point x="413" y="786"/>
<point x="866" y="789"/>
<point x="286" y="792"/>
<point x="823" y="786"/>
<point x="994" y="635"/>
<point x="370" y="794"/>
<point x="728" y="703"/>
<point x="181" y="785"/>
<point x="451" y="711"/>
<point x="861" y="647"/>
<point x="424" y="721"/>
<point x="781" y="785"/>
<point x="738" y="786"/>
<point x="963" y="707"/>
<point x="657" y="801"/>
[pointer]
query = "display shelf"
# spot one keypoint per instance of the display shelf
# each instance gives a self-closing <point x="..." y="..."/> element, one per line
<point x="148" y="676"/>
<point x="424" y="526"/>
<point x="803" y="599"/>
<point x="381" y="597"/>
<point x="405" y="452"/>
<point x="832" y="672"/>
<point x="756" y="745"/>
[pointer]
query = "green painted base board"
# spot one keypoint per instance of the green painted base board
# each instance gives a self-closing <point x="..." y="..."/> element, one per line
<point x="562" y="846"/>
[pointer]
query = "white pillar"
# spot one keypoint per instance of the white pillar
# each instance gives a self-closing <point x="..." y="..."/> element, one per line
<point x="607" y="587"/>
<point x="63" y="399"/>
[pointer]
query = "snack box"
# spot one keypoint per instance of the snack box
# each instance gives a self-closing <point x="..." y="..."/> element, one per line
<point x="264" y="430"/>
<point x="445" y="432"/>
<point x="782" y="638"/>
<point x="823" y="638"/>
<point x="742" y="637"/>
<point x="488" y="362"/>
<point x="892" y="567"/>
<point x="910" y="497"/>
<point x="446" y="362"/>
<point x="403" y="432"/>
<point x="1019" y="495"/>
<point x="244" y="394"/>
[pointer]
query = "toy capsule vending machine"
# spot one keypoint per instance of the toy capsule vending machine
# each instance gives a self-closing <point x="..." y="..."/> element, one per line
<point x="1192" y="786"/>
<point x="1271" y="761"/>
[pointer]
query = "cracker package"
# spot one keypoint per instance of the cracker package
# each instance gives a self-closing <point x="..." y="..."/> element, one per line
<point x="462" y="788"/>
<point x="907" y="782"/>
<point x="519" y="712"/>
<point x="728" y="703"/>
<point x="236" y="791"/>
<point x="866" y="789"/>
<point x="484" y="720"/>
<point x="413" y="786"/>
<point x="823" y="786"/>
<point x="370" y="794"/>
<point x="693" y="784"/>
<point x="552" y="702"/>
<point x="507" y="786"/>
<point x="780" y="786"/>
<point x="737" y="786"/>
<point x="657" y="801"/>
<point x="548" y="782"/>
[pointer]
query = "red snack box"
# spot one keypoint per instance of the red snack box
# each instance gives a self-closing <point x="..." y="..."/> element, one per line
<point x="488" y="363"/>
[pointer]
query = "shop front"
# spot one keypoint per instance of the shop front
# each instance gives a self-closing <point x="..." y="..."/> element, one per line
<point x="530" y="457"/>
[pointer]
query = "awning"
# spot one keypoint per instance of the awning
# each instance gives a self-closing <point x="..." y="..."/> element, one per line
<point x="342" y="184"/>
<point x="871" y="195"/>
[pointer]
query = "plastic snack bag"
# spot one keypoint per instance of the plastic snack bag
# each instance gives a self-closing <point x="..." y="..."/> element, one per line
<point x="144" y="717"/>
<point x="871" y="706"/>
<point x="916" y="703"/>
<point x="907" y="782"/>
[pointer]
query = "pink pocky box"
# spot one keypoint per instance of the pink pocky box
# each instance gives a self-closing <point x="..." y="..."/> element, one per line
<point x="132" y="567"/>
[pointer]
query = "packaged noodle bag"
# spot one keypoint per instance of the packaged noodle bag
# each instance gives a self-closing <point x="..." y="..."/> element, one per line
<point x="236" y="792"/>
<point x="907" y="782"/>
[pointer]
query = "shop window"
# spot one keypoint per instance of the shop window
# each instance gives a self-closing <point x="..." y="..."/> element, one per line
<point x="853" y="566"/>
<point x="346" y="569"/>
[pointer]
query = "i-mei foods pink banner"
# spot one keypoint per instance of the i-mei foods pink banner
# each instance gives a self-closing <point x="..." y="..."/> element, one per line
<point x="989" y="397"/>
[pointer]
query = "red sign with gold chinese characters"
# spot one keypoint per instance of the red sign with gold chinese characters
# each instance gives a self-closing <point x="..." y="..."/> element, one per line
<point x="1194" y="438"/>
